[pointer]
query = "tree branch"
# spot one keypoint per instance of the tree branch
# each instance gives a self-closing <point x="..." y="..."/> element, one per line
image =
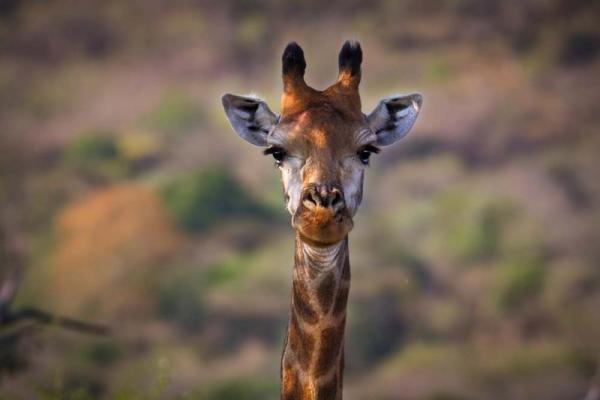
<point x="47" y="318"/>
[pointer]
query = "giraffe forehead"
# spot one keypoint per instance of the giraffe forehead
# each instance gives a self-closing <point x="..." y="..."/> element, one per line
<point x="321" y="143"/>
<point x="319" y="139"/>
<point x="322" y="133"/>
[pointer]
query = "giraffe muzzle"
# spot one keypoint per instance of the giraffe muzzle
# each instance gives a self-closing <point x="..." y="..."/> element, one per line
<point x="322" y="216"/>
<point x="324" y="196"/>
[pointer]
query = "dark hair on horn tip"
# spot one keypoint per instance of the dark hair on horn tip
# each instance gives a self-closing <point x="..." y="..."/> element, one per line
<point x="293" y="59"/>
<point x="350" y="57"/>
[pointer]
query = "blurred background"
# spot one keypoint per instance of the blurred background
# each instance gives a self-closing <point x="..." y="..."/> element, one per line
<point x="128" y="201"/>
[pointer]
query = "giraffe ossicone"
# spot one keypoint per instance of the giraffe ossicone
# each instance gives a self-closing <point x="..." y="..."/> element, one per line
<point x="321" y="142"/>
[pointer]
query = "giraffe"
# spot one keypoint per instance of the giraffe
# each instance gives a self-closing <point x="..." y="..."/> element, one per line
<point x="321" y="142"/>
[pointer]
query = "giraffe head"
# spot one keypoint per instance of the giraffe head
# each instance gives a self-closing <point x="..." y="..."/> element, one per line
<point x="322" y="141"/>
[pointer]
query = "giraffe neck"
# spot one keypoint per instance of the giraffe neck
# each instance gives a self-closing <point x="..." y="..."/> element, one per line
<point x="312" y="363"/>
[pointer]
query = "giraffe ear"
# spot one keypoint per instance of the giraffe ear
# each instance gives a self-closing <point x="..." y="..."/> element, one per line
<point x="394" y="116"/>
<point x="250" y="117"/>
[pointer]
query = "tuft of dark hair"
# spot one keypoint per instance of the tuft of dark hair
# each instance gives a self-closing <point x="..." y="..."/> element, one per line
<point x="293" y="59"/>
<point x="350" y="57"/>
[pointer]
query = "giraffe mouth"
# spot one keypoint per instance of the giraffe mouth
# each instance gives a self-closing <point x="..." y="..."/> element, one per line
<point x="322" y="225"/>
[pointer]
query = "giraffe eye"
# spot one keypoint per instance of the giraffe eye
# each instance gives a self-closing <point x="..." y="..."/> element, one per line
<point x="364" y="154"/>
<point x="278" y="154"/>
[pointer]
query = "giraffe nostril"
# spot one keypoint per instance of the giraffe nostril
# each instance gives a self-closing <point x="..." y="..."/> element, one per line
<point x="310" y="199"/>
<point x="323" y="196"/>
<point x="336" y="198"/>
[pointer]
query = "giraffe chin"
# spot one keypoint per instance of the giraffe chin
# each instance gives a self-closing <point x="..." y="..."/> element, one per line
<point x="321" y="226"/>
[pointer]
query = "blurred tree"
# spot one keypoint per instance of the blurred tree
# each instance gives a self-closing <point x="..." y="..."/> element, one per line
<point x="520" y="279"/>
<point x="107" y="244"/>
<point x="239" y="389"/>
<point x="139" y="149"/>
<point x="14" y="260"/>
<point x="376" y="327"/>
<point x="176" y="113"/>
<point x="198" y="200"/>
<point x="470" y="225"/>
<point x="181" y="297"/>
<point x="95" y="154"/>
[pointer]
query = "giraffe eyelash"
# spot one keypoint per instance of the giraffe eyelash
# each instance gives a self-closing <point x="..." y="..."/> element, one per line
<point x="278" y="154"/>
<point x="365" y="153"/>
<point x="272" y="149"/>
<point x="372" y="148"/>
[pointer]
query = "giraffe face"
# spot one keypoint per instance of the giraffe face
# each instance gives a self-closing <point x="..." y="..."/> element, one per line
<point x="321" y="141"/>
<point x="322" y="152"/>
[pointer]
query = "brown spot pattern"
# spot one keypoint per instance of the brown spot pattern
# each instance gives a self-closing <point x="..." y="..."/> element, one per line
<point x="301" y="343"/>
<point x="328" y="390"/>
<point x="346" y="270"/>
<point x="325" y="292"/>
<point x="302" y="304"/>
<point x="341" y="300"/>
<point x="331" y="341"/>
<point x="292" y="389"/>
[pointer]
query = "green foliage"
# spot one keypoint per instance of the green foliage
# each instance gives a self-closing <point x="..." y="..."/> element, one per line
<point x="163" y="379"/>
<point x="239" y="389"/>
<point x="520" y="279"/>
<point x="75" y="386"/>
<point x="227" y="271"/>
<point x="95" y="153"/>
<point x="104" y="352"/>
<point x="252" y="29"/>
<point x="11" y="357"/>
<point x="181" y="299"/>
<point x="199" y="200"/>
<point x="471" y="225"/>
<point x="181" y="295"/>
<point x="176" y="113"/>
<point x="74" y="394"/>
<point x="445" y="396"/>
<point x="419" y="354"/>
<point x="412" y="261"/>
<point x="522" y="362"/>
<point x="107" y="155"/>
<point x="138" y="147"/>
<point x="156" y="378"/>
<point x="583" y="362"/>
<point x="375" y="327"/>
<point x="95" y="146"/>
<point x="439" y="71"/>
